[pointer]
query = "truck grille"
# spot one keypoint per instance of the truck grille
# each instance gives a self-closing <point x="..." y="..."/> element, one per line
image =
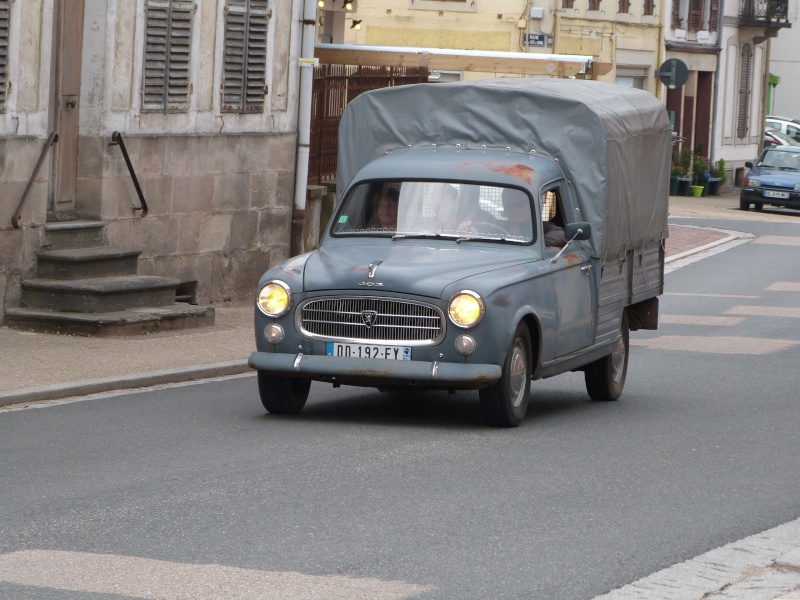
<point x="371" y="320"/>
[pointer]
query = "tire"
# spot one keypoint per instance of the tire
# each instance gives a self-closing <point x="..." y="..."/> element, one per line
<point x="505" y="403"/>
<point x="743" y="204"/>
<point x="759" y="206"/>
<point x="283" y="395"/>
<point x="605" y="378"/>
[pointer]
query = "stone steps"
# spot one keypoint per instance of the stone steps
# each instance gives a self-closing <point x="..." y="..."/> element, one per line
<point x="84" y="286"/>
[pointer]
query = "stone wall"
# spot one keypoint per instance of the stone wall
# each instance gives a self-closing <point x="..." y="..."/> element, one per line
<point x="220" y="206"/>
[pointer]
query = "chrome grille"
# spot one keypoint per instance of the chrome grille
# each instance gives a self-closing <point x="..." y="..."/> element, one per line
<point x="395" y="321"/>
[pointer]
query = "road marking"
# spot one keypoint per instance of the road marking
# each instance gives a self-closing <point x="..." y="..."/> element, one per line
<point x="709" y="295"/>
<point x="717" y="345"/>
<point x="161" y="580"/>
<point x="765" y="311"/>
<point x="763" y="566"/>
<point x="784" y="286"/>
<point x="697" y="320"/>
<point x="778" y="240"/>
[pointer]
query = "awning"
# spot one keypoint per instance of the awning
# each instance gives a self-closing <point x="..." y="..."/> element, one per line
<point x="440" y="59"/>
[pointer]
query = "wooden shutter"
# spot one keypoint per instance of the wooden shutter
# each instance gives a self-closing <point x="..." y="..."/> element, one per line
<point x="696" y="10"/>
<point x="624" y="6"/>
<point x="676" y="14"/>
<point x="567" y="3"/>
<point x="744" y="89"/>
<point x="5" y="9"/>
<point x="713" y="15"/>
<point x="594" y="4"/>
<point x="649" y="7"/>
<point x="244" y="78"/>
<point x="167" y="55"/>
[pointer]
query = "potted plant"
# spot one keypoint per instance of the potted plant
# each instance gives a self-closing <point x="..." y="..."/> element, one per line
<point x="678" y="173"/>
<point x="684" y="161"/>
<point x="701" y="174"/>
<point x="718" y="177"/>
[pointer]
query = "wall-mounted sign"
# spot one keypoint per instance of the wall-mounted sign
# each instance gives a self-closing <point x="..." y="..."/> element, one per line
<point x="538" y="40"/>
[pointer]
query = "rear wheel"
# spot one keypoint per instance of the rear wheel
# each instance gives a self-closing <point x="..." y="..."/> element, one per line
<point x="505" y="403"/>
<point x="605" y="378"/>
<point x="743" y="204"/>
<point x="283" y="395"/>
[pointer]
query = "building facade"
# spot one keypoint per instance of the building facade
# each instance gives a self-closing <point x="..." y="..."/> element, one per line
<point x="204" y="95"/>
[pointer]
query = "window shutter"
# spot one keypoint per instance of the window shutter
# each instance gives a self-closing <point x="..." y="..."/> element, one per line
<point x="5" y="9"/>
<point x="167" y="55"/>
<point x="594" y="4"/>
<point x="676" y="14"/>
<point x="713" y="15"/>
<point x="649" y="7"/>
<point x="567" y="3"/>
<point x="244" y="77"/>
<point x="624" y="6"/>
<point x="744" y="89"/>
<point x="696" y="14"/>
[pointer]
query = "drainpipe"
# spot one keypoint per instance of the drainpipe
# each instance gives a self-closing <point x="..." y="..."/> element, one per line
<point x="715" y="101"/>
<point x="309" y="35"/>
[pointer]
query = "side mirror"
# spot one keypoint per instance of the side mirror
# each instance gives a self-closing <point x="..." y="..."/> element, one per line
<point x="748" y="164"/>
<point x="578" y="231"/>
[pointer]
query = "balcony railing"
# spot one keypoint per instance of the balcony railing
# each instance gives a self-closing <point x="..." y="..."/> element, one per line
<point x="764" y="13"/>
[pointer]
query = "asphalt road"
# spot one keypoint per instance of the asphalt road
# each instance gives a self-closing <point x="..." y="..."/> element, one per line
<point x="410" y="495"/>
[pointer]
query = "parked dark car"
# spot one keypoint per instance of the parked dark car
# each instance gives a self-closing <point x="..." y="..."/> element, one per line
<point x="774" y="179"/>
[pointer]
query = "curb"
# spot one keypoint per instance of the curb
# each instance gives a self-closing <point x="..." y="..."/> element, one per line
<point x="140" y="380"/>
<point x="730" y="237"/>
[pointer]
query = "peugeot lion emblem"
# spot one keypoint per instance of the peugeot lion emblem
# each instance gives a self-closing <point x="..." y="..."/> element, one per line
<point x="369" y="317"/>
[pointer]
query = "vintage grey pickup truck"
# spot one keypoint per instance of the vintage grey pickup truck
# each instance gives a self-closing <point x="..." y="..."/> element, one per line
<point x="486" y="234"/>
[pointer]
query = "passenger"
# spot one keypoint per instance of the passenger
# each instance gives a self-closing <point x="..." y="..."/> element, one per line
<point x="384" y="209"/>
<point x="517" y="209"/>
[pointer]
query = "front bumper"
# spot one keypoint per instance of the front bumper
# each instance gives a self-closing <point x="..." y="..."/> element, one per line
<point x="376" y="372"/>
<point x="756" y="196"/>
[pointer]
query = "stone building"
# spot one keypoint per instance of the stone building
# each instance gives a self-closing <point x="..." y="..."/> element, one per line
<point x="204" y="95"/>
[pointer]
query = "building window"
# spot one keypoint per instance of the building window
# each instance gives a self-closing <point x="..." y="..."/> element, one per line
<point x="244" y="76"/>
<point x="746" y="70"/>
<point x="567" y="3"/>
<point x="594" y="4"/>
<point x="624" y="6"/>
<point x="697" y="11"/>
<point x="649" y="8"/>
<point x="167" y="55"/>
<point x="5" y="10"/>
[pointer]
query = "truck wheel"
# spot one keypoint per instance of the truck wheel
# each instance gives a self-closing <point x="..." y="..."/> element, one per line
<point x="605" y="378"/>
<point x="283" y="395"/>
<point x="743" y="204"/>
<point x="505" y="403"/>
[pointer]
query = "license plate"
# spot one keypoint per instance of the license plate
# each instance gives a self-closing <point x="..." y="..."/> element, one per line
<point x="771" y="194"/>
<point x="368" y="351"/>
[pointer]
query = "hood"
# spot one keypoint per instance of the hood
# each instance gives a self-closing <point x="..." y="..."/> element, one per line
<point x="411" y="266"/>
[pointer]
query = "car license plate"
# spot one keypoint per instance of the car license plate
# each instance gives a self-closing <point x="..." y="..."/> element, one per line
<point x="368" y="351"/>
<point x="771" y="194"/>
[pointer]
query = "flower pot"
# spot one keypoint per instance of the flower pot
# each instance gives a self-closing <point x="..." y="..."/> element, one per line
<point x="713" y="186"/>
<point x="683" y="186"/>
<point x="673" y="185"/>
<point x="697" y="191"/>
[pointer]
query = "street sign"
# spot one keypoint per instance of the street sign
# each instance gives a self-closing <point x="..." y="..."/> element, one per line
<point x="673" y="73"/>
<point x="538" y="40"/>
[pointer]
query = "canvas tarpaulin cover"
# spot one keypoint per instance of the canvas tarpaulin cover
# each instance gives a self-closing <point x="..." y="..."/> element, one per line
<point x="613" y="142"/>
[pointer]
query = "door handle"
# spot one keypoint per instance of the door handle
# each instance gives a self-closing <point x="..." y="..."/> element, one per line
<point x="71" y="103"/>
<point x="586" y="269"/>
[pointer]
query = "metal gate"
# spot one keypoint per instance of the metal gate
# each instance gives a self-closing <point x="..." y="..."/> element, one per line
<point x="334" y="87"/>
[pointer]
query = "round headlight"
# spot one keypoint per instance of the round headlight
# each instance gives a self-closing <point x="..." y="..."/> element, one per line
<point x="466" y="309"/>
<point x="274" y="298"/>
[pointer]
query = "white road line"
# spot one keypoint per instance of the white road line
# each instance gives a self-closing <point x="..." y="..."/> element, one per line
<point x="161" y="580"/>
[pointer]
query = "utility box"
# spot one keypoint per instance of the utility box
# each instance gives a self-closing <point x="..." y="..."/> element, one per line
<point x="537" y="12"/>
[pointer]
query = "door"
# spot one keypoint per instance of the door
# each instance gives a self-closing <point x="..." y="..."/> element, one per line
<point x="67" y="50"/>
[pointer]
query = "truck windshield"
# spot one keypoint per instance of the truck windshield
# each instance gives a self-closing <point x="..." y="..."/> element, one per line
<point x="436" y="209"/>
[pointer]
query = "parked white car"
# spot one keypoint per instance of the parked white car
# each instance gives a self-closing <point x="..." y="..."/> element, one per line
<point x="786" y="125"/>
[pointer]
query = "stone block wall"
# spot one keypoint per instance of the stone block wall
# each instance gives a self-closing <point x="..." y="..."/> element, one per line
<point x="220" y="206"/>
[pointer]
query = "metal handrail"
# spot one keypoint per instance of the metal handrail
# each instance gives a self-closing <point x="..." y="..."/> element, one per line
<point x="51" y="139"/>
<point x="116" y="140"/>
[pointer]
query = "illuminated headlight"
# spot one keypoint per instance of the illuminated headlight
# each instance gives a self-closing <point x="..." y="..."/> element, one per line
<point x="466" y="309"/>
<point x="752" y="183"/>
<point x="465" y="344"/>
<point x="273" y="333"/>
<point x="274" y="298"/>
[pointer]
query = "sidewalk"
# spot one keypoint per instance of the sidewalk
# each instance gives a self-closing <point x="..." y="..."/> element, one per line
<point x="41" y="366"/>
